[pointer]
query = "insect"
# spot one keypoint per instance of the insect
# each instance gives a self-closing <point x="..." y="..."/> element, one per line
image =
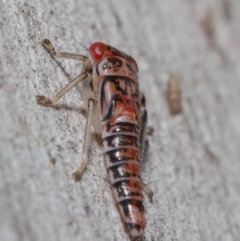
<point x="116" y="110"/>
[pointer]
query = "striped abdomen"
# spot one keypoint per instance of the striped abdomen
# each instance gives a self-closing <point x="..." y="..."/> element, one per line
<point x="121" y="146"/>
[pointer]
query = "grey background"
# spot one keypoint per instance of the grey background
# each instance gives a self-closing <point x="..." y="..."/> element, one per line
<point x="193" y="163"/>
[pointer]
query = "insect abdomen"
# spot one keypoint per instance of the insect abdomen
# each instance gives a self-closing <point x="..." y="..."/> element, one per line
<point x="121" y="145"/>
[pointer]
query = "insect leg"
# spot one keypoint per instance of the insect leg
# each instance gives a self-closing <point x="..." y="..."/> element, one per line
<point x="87" y="68"/>
<point x="147" y="190"/>
<point x="143" y="126"/>
<point x="87" y="138"/>
<point x="143" y="129"/>
<point x="42" y="100"/>
<point x="50" y="48"/>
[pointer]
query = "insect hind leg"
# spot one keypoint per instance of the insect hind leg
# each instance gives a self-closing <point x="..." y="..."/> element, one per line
<point x="87" y="139"/>
<point x="143" y="132"/>
<point x="143" y="125"/>
<point x="43" y="100"/>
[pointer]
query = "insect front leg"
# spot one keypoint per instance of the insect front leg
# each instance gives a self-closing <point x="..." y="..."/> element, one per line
<point x="86" y="71"/>
<point x="143" y="130"/>
<point x="51" y="50"/>
<point x="43" y="100"/>
<point x="87" y="138"/>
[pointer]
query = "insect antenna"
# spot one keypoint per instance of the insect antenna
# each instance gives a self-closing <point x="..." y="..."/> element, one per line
<point x="81" y="44"/>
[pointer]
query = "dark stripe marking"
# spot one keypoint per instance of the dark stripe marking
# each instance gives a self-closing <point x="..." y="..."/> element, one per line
<point x="128" y="188"/>
<point x="111" y="109"/>
<point x="129" y="66"/>
<point x="126" y="204"/>
<point x="125" y="170"/>
<point x="119" y="140"/>
<point x="122" y="154"/>
<point x="97" y="70"/>
<point x="122" y="127"/>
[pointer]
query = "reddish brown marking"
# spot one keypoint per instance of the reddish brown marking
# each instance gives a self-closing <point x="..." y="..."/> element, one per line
<point x="131" y="169"/>
<point x="131" y="154"/>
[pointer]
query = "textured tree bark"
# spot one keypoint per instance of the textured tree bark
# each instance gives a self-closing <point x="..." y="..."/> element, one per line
<point x="192" y="163"/>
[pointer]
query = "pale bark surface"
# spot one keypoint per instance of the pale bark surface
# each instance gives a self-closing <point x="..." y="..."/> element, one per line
<point x="193" y="163"/>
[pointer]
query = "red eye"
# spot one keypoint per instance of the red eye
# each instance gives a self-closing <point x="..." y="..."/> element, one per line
<point x="97" y="50"/>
